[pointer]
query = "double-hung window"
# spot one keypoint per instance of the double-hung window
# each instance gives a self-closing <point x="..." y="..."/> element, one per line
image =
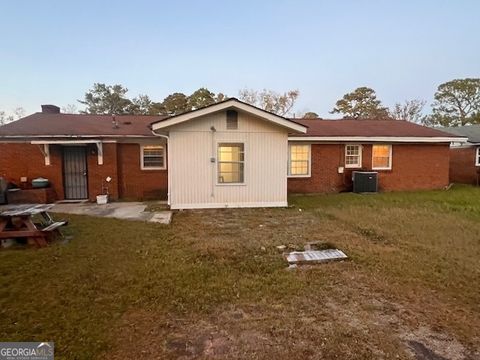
<point x="381" y="157"/>
<point x="477" y="157"/>
<point x="298" y="160"/>
<point x="353" y="156"/>
<point x="231" y="163"/>
<point x="152" y="157"/>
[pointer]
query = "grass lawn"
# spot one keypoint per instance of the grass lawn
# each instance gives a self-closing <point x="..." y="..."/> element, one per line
<point x="212" y="284"/>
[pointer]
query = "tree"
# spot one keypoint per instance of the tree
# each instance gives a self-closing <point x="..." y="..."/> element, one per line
<point x="269" y="100"/>
<point x="457" y="103"/>
<point x="4" y="118"/>
<point x="361" y="103"/>
<point x="221" y="97"/>
<point x="18" y="113"/>
<point x="157" y="108"/>
<point x="106" y="99"/>
<point x="70" y="109"/>
<point x="141" y="105"/>
<point x="410" y="110"/>
<point x="201" y="98"/>
<point x="310" y="115"/>
<point x="176" y="103"/>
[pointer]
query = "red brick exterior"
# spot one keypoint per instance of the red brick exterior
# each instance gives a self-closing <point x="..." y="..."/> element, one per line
<point x="462" y="166"/>
<point x="26" y="160"/>
<point x="136" y="183"/>
<point x="120" y="161"/>
<point x="414" y="167"/>
<point x="32" y="196"/>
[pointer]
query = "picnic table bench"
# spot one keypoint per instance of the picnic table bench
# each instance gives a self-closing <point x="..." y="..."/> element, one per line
<point x="16" y="221"/>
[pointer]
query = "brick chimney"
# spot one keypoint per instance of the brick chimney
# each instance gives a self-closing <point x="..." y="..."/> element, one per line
<point x="50" y="109"/>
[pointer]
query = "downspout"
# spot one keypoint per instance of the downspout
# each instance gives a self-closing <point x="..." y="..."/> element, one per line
<point x="169" y="163"/>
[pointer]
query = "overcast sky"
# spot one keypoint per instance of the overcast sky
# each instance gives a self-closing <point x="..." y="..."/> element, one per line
<point x="53" y="51"/>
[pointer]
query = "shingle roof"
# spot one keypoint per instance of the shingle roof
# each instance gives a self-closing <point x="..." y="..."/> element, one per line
<point x="470" y="131"/>
<point x="367" y="128"/>
<point x="47" y="124"/>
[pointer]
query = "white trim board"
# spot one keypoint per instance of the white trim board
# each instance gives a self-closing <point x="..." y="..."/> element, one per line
<point x="372" y="139"/>
<point x="60" y="142"/>
<point x="46" y="144"/>
<point x="229" y="104"/>
<point x="228" y="205"/>
<point x="66" y="136"/>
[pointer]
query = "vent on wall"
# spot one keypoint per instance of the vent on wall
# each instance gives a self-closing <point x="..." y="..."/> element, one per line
<point x="232" y="120"/>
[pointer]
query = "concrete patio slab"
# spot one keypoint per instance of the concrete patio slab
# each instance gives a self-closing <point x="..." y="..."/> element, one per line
<point x="118" y="210"/>
<point x="162" y="217"/>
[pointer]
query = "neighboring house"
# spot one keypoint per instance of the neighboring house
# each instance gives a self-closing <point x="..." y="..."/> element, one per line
<point x="465" y="157"/>
<point x="229" y="154"/>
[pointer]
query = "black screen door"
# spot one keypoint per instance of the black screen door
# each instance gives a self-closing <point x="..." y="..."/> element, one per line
<point x="75" y="172"/>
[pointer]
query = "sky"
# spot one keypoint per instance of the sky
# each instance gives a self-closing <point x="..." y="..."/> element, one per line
<point x="51" y="52"/>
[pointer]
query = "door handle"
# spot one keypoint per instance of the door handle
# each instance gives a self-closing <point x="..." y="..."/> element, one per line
<point x="84" y="173"/>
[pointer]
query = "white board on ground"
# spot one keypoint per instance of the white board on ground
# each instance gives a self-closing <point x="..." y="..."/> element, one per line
<point x="297" y="257"/>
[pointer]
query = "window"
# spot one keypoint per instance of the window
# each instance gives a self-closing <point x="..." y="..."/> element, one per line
<point x="298" y="160"/>
<point x="152" y="157"/>
<point x="381" y="157"/>
<point x="232" y="120"/>
<point x="477" y="157"/>
<point x="353" y="156"/>
<point x="231" y="162"/>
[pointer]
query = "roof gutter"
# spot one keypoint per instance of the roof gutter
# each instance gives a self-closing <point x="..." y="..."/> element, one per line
<point x="71" y="136"/>
<point x="398" y="139"/>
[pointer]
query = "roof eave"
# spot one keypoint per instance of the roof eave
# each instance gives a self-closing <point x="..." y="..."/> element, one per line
<point x="230" y="103"/>
<point x="73" y="136"/>
<point x="397" y="139"/>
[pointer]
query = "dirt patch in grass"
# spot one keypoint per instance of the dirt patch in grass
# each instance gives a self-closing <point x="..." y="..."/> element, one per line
<point x="345" y="322"/>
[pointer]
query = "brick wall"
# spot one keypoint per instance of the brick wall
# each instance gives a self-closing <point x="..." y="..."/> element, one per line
<point x="136" y="183"/>
<point x="417" y="167"/>
<point x="326" y="158"/>
<point x="462" y="166"/>
<point x="121" y="162"/>
<point x="97" y="174"/>
<point x="414" y="167"/>
<point x="25" y="160"/>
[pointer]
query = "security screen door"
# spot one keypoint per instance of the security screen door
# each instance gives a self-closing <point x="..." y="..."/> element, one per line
<point x="75" y="172"/>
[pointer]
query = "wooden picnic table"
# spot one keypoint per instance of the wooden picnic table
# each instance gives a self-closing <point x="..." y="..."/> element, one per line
<point x="16" y="221"/>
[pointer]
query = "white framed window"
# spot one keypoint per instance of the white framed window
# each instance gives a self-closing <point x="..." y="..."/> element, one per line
<point x="381" y="157"/>
<point x="231" y="163"/>
<point x="353" y="156"/>
<point x="299" y="159"/>
<point x="477" y="157"/>
<point x="152" y="157"/>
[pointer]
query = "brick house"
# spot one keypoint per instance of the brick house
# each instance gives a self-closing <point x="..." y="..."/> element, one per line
<point x="465" y="157"/>
<point x="229" y="154"/>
